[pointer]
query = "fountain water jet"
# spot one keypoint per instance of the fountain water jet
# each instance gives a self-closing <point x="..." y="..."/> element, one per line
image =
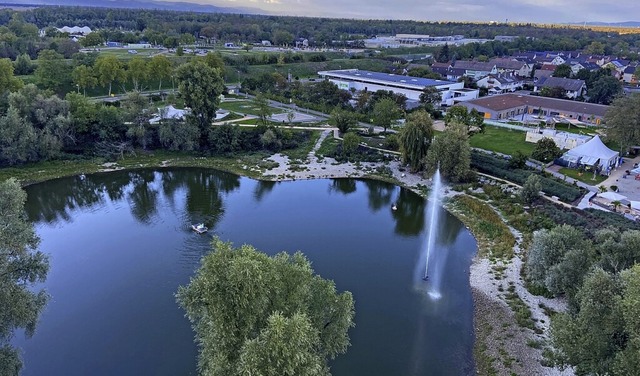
<point x="433" y="213"/>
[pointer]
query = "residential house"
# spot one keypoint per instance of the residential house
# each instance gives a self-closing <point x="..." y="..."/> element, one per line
<point x="572" y="88"/>
<point x="476" y="69"/>
<point x="629" y="75"/>
<point x="517" y="67"/>
<point x="498" y="84"/>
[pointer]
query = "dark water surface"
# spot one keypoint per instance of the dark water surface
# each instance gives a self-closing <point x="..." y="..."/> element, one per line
<point x="120" y="245"/>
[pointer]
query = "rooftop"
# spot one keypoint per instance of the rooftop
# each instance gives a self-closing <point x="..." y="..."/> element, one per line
<point x="508" y="101"/>
<point x="362" y="75"/>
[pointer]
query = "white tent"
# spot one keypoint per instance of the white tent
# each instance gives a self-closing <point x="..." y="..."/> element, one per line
<point x="635" y="205"/>
<point x="168" y="112"/>
<point x="592" y="153"/>
<point x="612" y="196"/>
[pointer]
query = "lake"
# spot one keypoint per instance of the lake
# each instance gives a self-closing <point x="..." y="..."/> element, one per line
<point x="120" y="244"/>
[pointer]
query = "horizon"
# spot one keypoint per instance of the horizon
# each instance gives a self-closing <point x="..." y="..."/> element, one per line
<point x="484" y="11"/>
<point x="273" y="9"/>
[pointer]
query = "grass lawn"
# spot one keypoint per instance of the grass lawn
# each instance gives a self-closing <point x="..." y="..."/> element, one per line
<point x="245" y="107"/>
<point x="586" y="177"/>
<point x="502" y="140"/>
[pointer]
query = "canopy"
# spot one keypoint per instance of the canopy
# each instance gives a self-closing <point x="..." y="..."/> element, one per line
<point x="635" y="205"/>
<point x="636" y="171"/>
<point x="593" y="153"/>
<point x="168" y="112"/>
<point x="612" y="196"/>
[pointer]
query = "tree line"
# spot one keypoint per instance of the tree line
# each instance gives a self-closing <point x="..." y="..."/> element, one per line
<point x="282" y="30"/>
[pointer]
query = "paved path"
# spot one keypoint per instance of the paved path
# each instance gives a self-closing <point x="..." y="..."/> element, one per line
<point x="311" y="157"/>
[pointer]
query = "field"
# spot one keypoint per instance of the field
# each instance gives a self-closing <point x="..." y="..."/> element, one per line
<point x="502" y="140"/>
<point x="245" y="107"/>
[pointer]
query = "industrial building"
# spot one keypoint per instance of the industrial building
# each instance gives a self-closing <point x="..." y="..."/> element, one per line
<point x="411" y="87"/>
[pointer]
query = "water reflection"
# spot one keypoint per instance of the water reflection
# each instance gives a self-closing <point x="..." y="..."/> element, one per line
<point x="262" y="189"/>
<point x="143" y="190"/>
<point x="345" y="186"/>
<point x="410" y="213"/>
<point x="379" y="194"/>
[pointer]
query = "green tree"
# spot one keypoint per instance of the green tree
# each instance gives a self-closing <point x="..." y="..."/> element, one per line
<point x="84" y="78"/>
<point x="562" y="70"/>
<point x="53" y="72"/>
<point x="415" y="138"/>
<point x="92" y="40"/>
<point x="553" y="92"/>
<point x="451" y="151"/>
<point x="531" y="189"/>
<point x="559" y="259"/>
<point x="160" y="67"/>
<point x="546" y="150"/>
<point x="7" y="81"/>
<point x="136" y="115"/>
<point x="350" y="144"/>
<point x="264" y="110"/>
<point x="604" y="90"/>
<point x="385" y="112"/>
<point x="109" y="69"/>
<point x="591" y="339"/>
<point x="282" y="38"/>
<point x="623" y="121"/>
<point x="200" y="86"/>
<point x="23" y="65"/>
<point x="627" y="362"/>
<point x="252" y="313"/>
<point x="430" y="97"/>
<point x="17" y="139"/>
<point x="457" y="114"/>
<point x="21" y="267"/>
<point x="137" y="72"/>
<point x="214" y="60"/>
<point x="293" y="339"/>
<point x="342" y="119"/>
<point x="595" y="48"/>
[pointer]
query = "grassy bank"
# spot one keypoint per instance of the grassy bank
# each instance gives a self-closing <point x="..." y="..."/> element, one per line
<point x="495" y="240"/>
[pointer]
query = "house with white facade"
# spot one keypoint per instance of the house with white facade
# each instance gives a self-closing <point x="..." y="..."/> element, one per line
<point x="500" y="83"/>
<point x="411" y="87"/>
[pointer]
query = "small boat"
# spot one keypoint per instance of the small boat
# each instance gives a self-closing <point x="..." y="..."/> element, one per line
<point x="394" y="207"/>
<point x="200" y="228"/>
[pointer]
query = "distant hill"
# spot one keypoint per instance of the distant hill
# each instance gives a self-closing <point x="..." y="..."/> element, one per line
<point x="138" y="4"/>
<point x="610" y="24"/>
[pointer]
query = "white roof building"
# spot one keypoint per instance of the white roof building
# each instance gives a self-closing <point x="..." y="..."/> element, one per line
<point x="75" y="30"/>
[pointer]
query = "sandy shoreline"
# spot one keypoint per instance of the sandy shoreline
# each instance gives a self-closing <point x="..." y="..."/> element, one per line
<point x="508" y="347"/>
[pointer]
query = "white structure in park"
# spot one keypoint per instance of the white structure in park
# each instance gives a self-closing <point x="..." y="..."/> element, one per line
<point x="564" y="140"/>
<point x="170" y="112"/>
<point x="593" y="153"/>
<point x="411" y="87"/>
<point x="75" y="30"/>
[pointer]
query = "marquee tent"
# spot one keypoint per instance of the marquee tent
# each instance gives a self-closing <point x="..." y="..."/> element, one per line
<point x="592" y="153"/>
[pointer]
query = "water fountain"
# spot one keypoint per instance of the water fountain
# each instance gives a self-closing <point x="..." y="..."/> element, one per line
<point x="433" y="213"/>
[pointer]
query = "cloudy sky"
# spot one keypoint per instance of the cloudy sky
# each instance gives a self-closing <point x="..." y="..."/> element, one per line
<point x="548" y="11"/>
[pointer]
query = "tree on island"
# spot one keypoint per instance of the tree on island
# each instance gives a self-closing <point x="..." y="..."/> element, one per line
<point x="21" y="267"/>
<point x="259" y="315"/>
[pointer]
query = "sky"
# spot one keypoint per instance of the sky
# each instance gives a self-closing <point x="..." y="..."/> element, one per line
<point x="539" y="11"/>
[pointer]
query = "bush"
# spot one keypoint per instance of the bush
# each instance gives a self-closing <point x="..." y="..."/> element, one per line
<point x="499" y="167"/>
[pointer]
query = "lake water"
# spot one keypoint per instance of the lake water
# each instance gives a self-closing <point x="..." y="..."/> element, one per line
<point x="120" y="244"/>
